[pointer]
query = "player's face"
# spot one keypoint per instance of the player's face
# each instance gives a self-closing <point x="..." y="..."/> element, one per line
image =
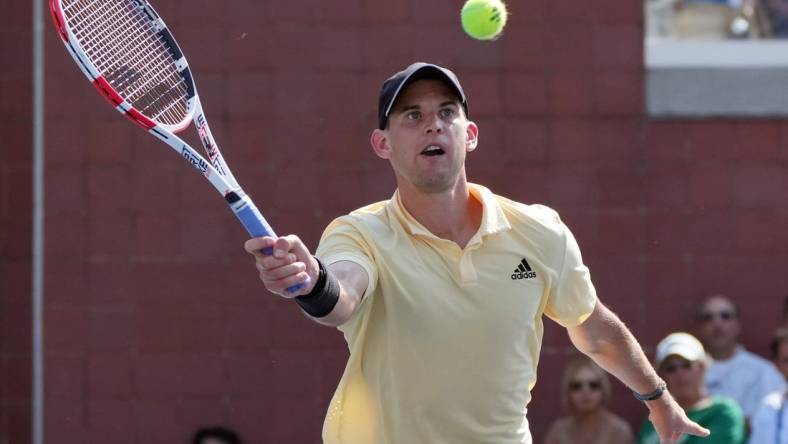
<point x="684" y="379"/>
<point x="585" y="391"/>
<point x="428" y="137"/>
<point x="719" y="325"/>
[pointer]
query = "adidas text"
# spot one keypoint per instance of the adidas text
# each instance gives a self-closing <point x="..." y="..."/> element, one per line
<point x="523" y="275"/>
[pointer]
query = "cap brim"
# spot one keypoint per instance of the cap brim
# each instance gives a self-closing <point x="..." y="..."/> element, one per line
<point x="419" y="71"/>
<point x="686" y="352"/>
<point x="425" y="72"/>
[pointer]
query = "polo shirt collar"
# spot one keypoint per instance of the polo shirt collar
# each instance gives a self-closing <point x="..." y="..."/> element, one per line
<point x="493" y="218"/>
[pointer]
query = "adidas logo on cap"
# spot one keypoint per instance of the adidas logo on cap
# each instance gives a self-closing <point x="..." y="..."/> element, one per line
<point x="523" y="271"/>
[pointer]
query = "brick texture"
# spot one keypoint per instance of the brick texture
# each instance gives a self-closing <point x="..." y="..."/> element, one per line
<point x="156" y="321"/>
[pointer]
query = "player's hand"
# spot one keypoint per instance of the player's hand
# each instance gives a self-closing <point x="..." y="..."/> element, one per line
<point x="290" y="264"/>
<point x="670" y="421"/>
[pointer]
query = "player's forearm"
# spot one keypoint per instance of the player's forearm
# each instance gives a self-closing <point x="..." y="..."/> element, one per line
<point x="343" y="310"/>
<point x="610" y="344"/>
<point x="353" y="281"/>
<point x="605" y="338"/>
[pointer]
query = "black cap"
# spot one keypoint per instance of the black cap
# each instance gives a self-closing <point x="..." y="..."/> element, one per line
<point x="396" y="83"/>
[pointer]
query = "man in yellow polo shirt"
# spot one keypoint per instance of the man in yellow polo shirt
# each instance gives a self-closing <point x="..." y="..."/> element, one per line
<point x="441" y="291"/>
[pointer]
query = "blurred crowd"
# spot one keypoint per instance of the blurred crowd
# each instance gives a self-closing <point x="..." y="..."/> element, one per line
<point x="717" y="19"/>
<point x="737" y="394"/>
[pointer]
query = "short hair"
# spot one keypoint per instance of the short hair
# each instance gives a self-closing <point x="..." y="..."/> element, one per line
<point x="721" y="297"/>
<point x="218" y="432"/>
<point x="780" y="336"/>
<point x="572" y="368"/>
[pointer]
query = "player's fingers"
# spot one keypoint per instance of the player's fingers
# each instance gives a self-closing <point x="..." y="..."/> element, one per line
<point x="304" y="255"/>
<point x="255" y="246"/>
<point x="280" y="286"/>
<point x="697" y="430"/>
<point x="283" y="245"/>
<point x="265" y="262"/>
<point x="277" y="273"/>
<point x="298" y="248"/>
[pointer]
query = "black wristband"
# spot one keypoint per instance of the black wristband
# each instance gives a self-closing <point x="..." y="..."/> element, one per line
<point x="656" y="394"/>
<point x="324" y="295"/>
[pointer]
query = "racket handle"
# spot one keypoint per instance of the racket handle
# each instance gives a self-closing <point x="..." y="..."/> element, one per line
<point x="254" y="222"/>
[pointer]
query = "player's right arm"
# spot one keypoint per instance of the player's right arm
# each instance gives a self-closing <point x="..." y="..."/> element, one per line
<point x="291" y="264"/>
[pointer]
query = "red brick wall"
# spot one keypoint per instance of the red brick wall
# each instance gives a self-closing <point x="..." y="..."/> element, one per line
<point x="155" y="321"/>
<point x="15" y="221"/>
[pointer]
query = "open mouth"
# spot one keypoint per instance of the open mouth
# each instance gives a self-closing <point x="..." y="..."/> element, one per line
<point x="433" y="150"/>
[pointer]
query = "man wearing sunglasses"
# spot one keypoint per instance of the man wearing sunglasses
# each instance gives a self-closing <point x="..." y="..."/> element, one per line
<point x="734" y="372"/>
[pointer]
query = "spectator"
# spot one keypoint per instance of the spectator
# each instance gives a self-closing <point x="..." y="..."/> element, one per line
<point x="734" y="372"/>
<point x="709" y="19"/>
<point x="770" y="423"/>
<point x="681" y="361"/>
<point x="216" y="435"/>
<point x="585" y="390"/>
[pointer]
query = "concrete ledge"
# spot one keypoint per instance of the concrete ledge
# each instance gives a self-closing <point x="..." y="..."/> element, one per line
<point x="708" y="92"/>
<point x="733" y="78"/>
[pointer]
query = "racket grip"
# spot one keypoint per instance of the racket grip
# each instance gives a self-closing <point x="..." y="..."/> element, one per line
<point x="256" y="225"/>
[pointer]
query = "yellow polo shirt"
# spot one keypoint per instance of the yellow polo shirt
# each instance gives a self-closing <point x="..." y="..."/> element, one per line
<point x="445" y="344"/>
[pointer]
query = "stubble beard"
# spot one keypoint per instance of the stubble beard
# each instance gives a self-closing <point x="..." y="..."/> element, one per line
<point x="438" y="182"/>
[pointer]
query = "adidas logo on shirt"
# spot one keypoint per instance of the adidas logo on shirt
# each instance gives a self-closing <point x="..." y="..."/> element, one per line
<point x="523" y="271"/>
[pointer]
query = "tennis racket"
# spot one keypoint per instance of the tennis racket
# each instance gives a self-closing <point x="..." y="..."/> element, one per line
<point x="124" y="48"/>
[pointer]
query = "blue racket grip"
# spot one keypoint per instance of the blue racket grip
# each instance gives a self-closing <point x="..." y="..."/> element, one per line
<point x="256" y="225"/>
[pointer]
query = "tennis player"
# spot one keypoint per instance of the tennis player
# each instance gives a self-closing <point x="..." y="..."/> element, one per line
<point x="441" y="291"/>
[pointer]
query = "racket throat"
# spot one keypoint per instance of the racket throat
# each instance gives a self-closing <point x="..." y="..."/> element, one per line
<point x="233" y="197"/>
<point x="246" y="212"/>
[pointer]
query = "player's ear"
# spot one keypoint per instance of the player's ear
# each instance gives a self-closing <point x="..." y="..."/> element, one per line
<point x="380" y="143"/>
<point x="472" y="136"/>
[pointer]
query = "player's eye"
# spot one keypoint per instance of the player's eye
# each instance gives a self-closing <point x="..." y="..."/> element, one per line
<point x="413" y="115"/>
<point x="447" y="113"/>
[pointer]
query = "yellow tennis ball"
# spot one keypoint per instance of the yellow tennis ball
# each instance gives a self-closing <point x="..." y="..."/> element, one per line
<point x="483" y="19"/>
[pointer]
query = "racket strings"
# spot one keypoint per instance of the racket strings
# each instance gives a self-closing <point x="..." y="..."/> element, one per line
<point x="125" y="47"/>
<point x="114" y="44"/>
<point x="102" y="51"/>
<point x="150" y="53"/>
<point x="124" y="77"/>
<point x="105" y="52"/>
<point x="132" y="48"/>
<point x="85" y="7"/>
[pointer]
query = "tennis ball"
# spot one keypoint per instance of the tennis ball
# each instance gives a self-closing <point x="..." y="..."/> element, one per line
<point x="483" y="19"/>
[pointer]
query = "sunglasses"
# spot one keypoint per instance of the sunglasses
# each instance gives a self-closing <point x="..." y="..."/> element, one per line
<point x="591" y="385"/>
<point x="724" y="315"/>
<point x="673" y="368"/>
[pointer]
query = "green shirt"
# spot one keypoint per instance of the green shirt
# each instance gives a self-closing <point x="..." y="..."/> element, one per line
<point x="723" y="417"/>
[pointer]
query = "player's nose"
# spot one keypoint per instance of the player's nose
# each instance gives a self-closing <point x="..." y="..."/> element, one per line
<point x="434" y="124"/>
